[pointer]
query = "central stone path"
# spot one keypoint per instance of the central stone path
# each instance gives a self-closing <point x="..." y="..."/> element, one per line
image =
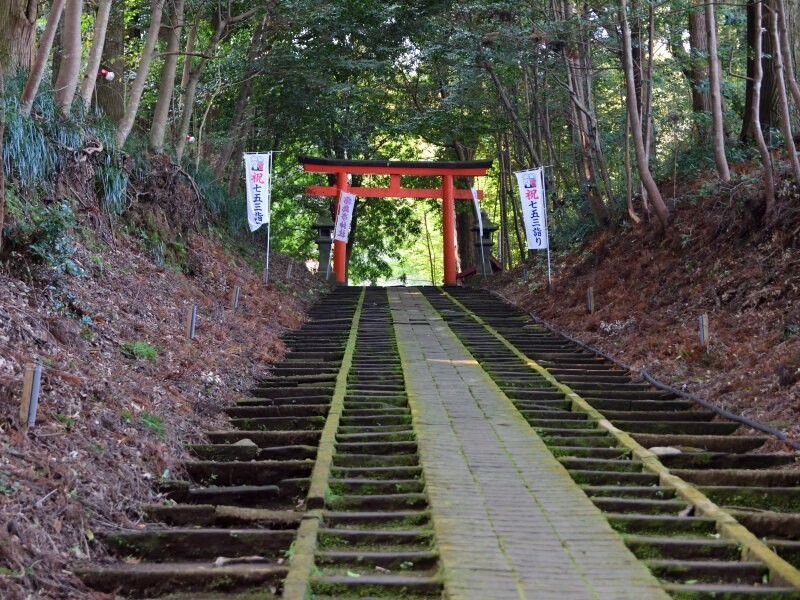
<point x="509" y="520"/>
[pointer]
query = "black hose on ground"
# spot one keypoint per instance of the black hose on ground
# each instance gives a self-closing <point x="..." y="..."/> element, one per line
<point x="663" y="386"/>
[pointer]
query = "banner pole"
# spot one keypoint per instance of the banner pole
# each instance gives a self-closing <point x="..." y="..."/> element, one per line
<point x="266" y="263"/>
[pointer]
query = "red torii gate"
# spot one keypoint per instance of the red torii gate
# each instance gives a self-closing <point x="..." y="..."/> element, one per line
<point x="395" y="169"/>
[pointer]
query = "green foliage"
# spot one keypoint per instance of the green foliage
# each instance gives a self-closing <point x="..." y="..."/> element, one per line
<point x="153" y="422"/>
<point x="140" y="350"/>
<point x="44" y="233"/>
<point x="113" y="183"/>
<point x="67" y="421"/>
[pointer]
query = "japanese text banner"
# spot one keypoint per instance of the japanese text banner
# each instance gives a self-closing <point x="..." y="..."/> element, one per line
<point x="532" y="194"/>
<point x="258" y="183"/>
<point x="477" y="206"/>
<point x="347" y="203"/>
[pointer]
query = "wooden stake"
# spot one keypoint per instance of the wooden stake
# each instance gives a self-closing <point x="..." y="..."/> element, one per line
<point x="191" y="321"/>
<point x="235" y="297"/>
<point x="30" y="395"/>
<point x="705" y="334"/>
<point x="590" y="300"/>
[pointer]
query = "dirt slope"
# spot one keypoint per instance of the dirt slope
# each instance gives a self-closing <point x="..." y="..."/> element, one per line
<point x="123" y="389"/>
<point x="650" y="290"/>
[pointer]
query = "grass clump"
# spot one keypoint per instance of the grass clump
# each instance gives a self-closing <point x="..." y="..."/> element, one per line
<point x="140" y="350"/>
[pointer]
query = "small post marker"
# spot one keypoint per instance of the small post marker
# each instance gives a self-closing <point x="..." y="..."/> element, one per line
<point x="191" y="321"/>
<point x="705" y="334"/>
<point x="235" y="297"/>
<point x="590" y="300"/>
<point x="30" y="395"/>
<point x="524" y="275"/>
<point x="289" y="271"/>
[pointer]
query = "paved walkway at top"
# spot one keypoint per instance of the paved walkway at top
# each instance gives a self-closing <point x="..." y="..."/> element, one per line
<point x="509" y="521"/>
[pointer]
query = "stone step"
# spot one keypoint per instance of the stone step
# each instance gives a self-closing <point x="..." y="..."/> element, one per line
<point x="740" y="477"/>
<point x="600" y="464"/>
<point x="711" y="443"/>
<point x="683" y="548"/>
<point x="661" y="524"/>
<point x="683" y="416"/>
<point x="391" y="472"/>
<point x="374" y="586"/>
<point x="715" y="591"/>
<point x="265" y="439"/>
<point x="181" y="544"/>
<point x="338" y="536"/>
<point x="720" y="460"/>
<point x="145" y="580"/>
<point x="376" y="486"/>
<point x="290" y="410"/>
<point x="613" y="478"/>
<point x="639" y="505"/>
<point x="678" y="427"/>
<point x="209" y="515"/>
<point x="262" y="472"/>
<point x="373" y="558"/>
<point x="408" y="518"/>
<point x="781" y="499"/>
<point x="378" y="502"/>
<point x="708" y="571"/>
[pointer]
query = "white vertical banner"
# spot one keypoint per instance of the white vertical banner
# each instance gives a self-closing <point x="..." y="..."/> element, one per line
<point x="477" y="206"/>
<point x="534" y="208"/>
<point x="258" y="183"/>
<point x="347" y="203"/>
<point x="477" y="210"/>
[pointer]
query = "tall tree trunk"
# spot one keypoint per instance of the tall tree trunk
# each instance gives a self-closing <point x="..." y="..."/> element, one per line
<point x="194" y="78"/>
<point x="17" y="34"/>
<point x="783" y="100"/>
<point x="698" y="68"/>
<point x="768" y="116"/>
<point x="766" y="159"/>
<point x="190" y="91"/>
<point x="96" y="53"/>
<point x="165" y="91"/>
<point x="661" y="210"/>
<point x="511" y="112"/>
<point x="628" y="172"/>
<point x="70" y="67"/>
<point x="37" y="70"/>
<point x="715" y="85"/>
<point x="239" y="111"/>
<point x="137" y="89"/>
<point x="111" y="95"/>
<point x="188" y="62"/>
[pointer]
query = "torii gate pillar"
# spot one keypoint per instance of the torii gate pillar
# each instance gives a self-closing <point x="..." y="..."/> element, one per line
<point x="395" y="169"/>
<point x="449" y="229"/>
<point x="339" y="247"/>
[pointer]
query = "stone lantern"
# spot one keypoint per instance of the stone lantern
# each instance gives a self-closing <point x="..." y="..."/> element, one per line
<point x="324" y="227"/>
<point x="483" y="244"/>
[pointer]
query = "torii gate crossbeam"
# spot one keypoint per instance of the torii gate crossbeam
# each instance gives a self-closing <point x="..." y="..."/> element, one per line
<point x="395" y="169"/>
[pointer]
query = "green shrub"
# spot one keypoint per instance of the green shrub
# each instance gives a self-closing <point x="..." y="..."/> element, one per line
<point x="45" y="233"/>
<point x="153" y="422"/>
<point x="140" y="350"/>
